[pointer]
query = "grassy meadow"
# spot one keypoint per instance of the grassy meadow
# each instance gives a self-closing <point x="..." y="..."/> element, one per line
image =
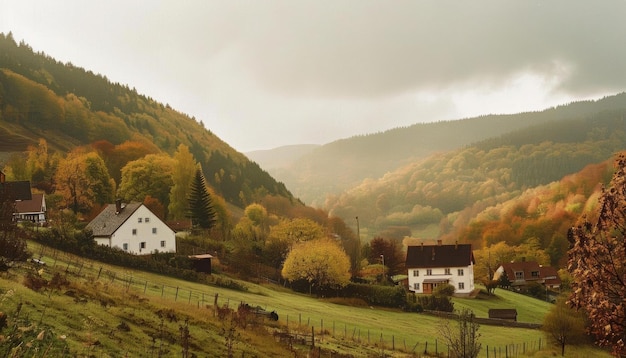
<point x="108" y="311"/>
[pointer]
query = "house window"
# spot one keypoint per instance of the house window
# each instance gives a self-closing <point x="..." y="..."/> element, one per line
<point x="147" y="220"/>
<point x="535" y="274"/>
<point x="461" y="285"/>
<point x="142" y="245"/>
<point x="163" y="243"/>
<point x="460" y="272"/>
<point x="154" y="230"/>
<point x="447" y="271"/>
<point x="416" y="273"/>
<point x="138" y="220"/>
<point x="429" y="272"/>
<point x="125" y="247"/>
<point x="134" y="231"/>
<point x="519" y="275"/>
<point x="416" y="286"/>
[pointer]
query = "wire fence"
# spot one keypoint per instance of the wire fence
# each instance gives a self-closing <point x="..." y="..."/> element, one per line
<point x="297" y="329"/>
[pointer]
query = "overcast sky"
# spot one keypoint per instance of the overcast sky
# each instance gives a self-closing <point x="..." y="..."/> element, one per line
<point x="262" y="74"/>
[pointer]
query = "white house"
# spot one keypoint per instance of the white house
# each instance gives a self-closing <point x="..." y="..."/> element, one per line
<point x="431" y="265"/>
<point x="133" y="228"/>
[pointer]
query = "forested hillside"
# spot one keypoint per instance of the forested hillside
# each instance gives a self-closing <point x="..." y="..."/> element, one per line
<point x="69" y="106"/>
<point x="343" y="164"/>
<point x="465" y="194"/>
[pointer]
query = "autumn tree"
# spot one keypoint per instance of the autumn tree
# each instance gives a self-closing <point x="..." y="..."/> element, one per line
<point x="39" y="164"/>
<point x="388" y="252"/>
<point x="200" y="209"/>
<point x="564" y="325"/>
<point x="349" y="240"/>
<point x="321" y="262"/>
<point x="150" y="175"/>
<point x="597" y="262"/>
<point x="122" y="154"/>
<point x="287" y="233"/>
<point x="83" y="181"/>
<point x="182" y="175"/>
<point x="254" y="225"/>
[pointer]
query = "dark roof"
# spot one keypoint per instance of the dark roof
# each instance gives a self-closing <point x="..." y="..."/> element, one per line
<point x="35" y="205"/>
<point x="527" y="267"/>
<point x="439" y="256"/>
<point x="17" y="190"/>
<point x="108" y="221"/>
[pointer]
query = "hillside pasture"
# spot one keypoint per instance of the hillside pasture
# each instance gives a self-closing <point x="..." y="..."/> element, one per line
<point x="105" y="296"/>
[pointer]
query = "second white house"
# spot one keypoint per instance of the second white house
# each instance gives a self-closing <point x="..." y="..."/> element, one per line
<point x="132" y="228"/>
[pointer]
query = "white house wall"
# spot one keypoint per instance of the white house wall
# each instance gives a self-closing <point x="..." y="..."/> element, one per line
<point x="154" y="234"/>
<point x="439" y="273"/>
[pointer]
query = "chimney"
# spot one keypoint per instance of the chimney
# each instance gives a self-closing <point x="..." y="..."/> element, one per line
<point x="2" y="177"/>
<point x="439" y="242"/>
<point x="118" y="206"/>
<point x="422" y="246"/>
<point x="456" y="244"/>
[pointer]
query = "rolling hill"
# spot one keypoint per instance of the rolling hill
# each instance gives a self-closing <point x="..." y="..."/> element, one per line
<point x="343" y="164"/>
<point x="70" y="106"/>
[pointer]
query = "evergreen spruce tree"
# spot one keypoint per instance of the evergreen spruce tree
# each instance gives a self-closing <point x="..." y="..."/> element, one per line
<point x="201" y="210"/>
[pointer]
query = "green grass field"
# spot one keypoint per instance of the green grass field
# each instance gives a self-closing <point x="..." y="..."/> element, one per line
<point x="112" y="297"/>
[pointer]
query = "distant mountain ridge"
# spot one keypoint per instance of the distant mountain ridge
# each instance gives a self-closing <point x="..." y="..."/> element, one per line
<point x="280" y="157"/>
<point x="342" y="164"/>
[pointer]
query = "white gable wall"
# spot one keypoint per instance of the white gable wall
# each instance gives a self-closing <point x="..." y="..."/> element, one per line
<point x="417" y="277"/>
<point x="145" y="236"/>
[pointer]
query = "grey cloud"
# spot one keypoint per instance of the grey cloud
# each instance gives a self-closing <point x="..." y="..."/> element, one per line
<point x="370" y="48"/>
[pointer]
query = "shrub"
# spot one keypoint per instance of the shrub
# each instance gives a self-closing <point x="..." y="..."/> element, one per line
<point x="58" y="281"/>
<point x="413" y="307"/>
<point x="34" y="282"/>
<point x="386" y="296"/>
<point x="444" y="290"/>
<point x="436" y="303"/>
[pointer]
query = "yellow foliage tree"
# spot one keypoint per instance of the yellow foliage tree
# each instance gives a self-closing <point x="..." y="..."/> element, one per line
<point x="150" y="175"/>
<point x="321" y="262"/>
<point x="83" y="181"/>
<point x="182" y="175"/>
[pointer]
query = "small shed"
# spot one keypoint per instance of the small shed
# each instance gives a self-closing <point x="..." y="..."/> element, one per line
<point x="202" y="262"/>
<point x="509" y="314"/>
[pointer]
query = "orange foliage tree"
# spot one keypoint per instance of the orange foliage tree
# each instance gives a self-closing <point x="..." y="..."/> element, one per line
<point x="597" y="262"/>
